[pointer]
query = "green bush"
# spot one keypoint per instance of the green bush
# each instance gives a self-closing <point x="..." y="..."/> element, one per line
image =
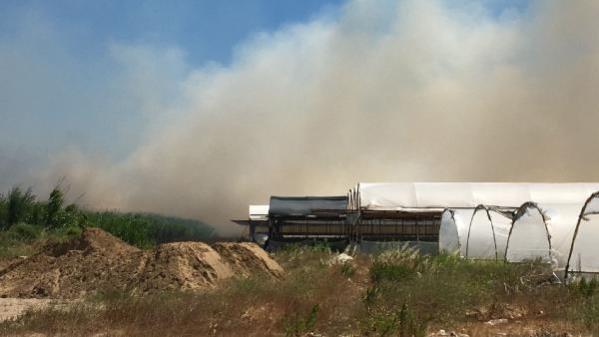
<point x="146" y="230"/>
<point x="19" y="205"/>
<point x="54" y="208"/>
<point x="442" y="288"/>
<point x="19" y="208"/>
<point x="386" y="272"/>
<point x="26" y="232"/>
<point x="586" y="288"/>
<point x="348" y="270"/>
<point x="3" y="212"/>
<point x="298" y="325"/>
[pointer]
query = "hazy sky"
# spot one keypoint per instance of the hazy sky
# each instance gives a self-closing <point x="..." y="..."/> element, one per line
<point x="198" y="108"/>
<point x="78" y="73"/>
<point x="74" y="73"/>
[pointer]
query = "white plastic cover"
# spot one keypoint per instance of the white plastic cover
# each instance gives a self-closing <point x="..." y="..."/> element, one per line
<point x="529" y="238"/>
<point x="398" y="196"/>
<point x="488" y="233"/>
<point x="454" y="230"/>
<point x="585" y="247"/>
<point x="539" y="227"/>
<point x="561" y="193"/>
<point x="562" y="219"/>
<point x="259" y="212"/>
<point x="501" y="225"/>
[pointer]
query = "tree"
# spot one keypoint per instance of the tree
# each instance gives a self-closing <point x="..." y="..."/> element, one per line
<point x="54" y="207"/>
<point x="3" y="212"/>
<point x="19" y="205"/>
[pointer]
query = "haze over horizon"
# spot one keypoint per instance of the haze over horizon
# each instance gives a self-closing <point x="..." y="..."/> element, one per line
<point x="200" y="109"/>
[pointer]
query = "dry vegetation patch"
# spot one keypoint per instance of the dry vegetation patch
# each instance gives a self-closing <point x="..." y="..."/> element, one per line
<point x="399" y="293"/>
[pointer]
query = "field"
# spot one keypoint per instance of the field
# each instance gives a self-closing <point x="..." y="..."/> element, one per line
<point x="26" y="223"/>
<point x="66" y="271"/>
<point x="397" y="293"/>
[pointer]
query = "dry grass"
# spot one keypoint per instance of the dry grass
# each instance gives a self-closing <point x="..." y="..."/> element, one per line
<point x="312" y="296"/>
<point x="396" y="294"/>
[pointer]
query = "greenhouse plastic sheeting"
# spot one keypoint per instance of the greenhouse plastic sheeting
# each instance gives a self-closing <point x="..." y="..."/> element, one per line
<point x="454" y="230"/>
<point x="539" y="227"/>
<point x="529" y="238"/>
<point x="585" y="248"/>
<point x="398" y="196"/>
<point x="488" y="233"/>
<point x="302" y="206"/>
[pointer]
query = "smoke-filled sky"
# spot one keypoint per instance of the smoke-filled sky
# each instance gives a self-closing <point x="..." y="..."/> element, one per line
<point x="201" y="108"/>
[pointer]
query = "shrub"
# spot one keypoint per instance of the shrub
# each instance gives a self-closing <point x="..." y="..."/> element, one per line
<point x="586" y="288"/>
<point x="26" y="232"/>
<point x="348" y="270"/>
<point x="298" y="325"/>
<point x="441" y="288"/>
<point x="54" y="208"/>
<point x="146" y="230"/>
<point x="19" y="205"/>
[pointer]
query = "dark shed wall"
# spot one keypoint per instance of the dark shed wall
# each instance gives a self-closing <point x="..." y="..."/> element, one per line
<point x="303" y="206"/>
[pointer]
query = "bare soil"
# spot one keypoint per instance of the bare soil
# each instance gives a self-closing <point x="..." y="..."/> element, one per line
<point x="11" y="308"/>
<point x="100" y="262"/>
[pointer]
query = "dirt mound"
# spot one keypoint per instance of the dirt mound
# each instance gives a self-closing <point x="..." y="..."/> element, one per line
<point x="97" y="261"/>
<point x="92" y="240"/>
<point x="181" y="265"/>
<point x="246" y="258"/>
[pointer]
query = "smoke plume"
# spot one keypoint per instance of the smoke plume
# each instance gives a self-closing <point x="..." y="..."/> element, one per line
<point x="381" y="91"/>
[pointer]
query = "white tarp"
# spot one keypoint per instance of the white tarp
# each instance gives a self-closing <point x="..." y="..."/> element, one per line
<point x="501" y="225"/>
<point x="540" y="226"/>
<point x="398" y="196"/>
<point x="259" y="212"/>
<point x="529" y="238"/>
<point x="585" y="247"/>
<point x="454" y="230"/>
<point x="488" y="233"/>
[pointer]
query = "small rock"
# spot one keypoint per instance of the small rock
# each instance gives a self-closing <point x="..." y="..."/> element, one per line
<point x="313" y="334"/>
<point x="341" y="259"/>
<point x="494" y="322"/>
<point x="442" y="333"/>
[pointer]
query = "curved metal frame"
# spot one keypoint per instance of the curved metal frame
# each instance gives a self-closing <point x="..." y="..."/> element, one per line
<point x="452" y="212"/>
<point x="580" y="216"/>
<point x="486" y="209"/>
<point x="521" y="210"/>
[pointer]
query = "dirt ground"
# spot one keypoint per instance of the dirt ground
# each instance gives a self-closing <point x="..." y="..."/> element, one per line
<point x="62" y="274"/>
<point x="11" y="308"/>
<point x="100" y="262"/>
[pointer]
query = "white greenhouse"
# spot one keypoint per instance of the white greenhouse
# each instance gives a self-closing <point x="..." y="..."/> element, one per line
<point x="584" y="255"/>
<point x="512" y="221"/>
<point x="406" y="196"/>
<point x="454" y="230"/>
<point x="488" y="232"/>
<point x="543" y="232"/>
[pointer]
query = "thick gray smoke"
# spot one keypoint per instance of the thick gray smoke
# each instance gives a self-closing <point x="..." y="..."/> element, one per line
<point x="414" y="91"/>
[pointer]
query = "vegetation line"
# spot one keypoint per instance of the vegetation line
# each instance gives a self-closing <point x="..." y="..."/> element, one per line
<point x="25" y="219"/>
